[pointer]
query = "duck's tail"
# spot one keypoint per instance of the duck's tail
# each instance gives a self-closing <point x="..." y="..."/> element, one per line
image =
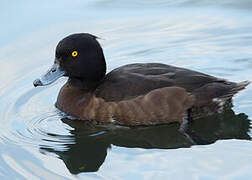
<point x="235" y="89"/>
<point x="218" y="91"/>
<point x="214" y="96"/>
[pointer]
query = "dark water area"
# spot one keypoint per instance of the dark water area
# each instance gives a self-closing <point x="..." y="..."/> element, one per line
<point x="39" y="142"/>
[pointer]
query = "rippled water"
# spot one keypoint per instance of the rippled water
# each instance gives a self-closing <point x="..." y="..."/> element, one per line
<point x="38" y="142"/>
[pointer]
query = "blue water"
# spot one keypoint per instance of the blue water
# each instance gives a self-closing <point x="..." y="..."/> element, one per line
<point x="36" y="142"/>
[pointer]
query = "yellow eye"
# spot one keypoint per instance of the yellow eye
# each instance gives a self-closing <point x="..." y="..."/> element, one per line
<point x="74" y="53"/>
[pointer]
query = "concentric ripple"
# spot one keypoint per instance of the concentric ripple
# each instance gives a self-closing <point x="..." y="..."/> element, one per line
<point x="29" y="120"/>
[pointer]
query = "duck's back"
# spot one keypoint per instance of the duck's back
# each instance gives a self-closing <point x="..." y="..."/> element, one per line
<point x="132" y="80"/>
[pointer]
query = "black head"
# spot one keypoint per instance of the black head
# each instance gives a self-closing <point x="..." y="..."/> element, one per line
<point x="80" y="57"/>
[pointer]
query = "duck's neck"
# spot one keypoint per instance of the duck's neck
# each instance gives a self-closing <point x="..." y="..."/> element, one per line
<point x="71" y="99"/>
<point x="83" y="84"/>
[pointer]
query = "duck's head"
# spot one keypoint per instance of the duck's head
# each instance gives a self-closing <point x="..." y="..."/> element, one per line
<point x="79" y="57"/>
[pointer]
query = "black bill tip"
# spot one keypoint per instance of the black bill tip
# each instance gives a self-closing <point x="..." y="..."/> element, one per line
<point x="37" y="82"/>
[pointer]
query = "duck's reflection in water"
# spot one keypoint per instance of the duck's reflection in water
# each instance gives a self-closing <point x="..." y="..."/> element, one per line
<point x="91" y="142"/>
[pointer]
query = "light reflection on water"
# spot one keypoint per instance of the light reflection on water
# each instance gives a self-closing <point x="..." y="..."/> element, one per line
<point x="214" y="38"/>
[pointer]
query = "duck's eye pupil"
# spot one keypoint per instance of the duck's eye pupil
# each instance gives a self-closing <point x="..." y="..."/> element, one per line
<point x="74" y="53"/>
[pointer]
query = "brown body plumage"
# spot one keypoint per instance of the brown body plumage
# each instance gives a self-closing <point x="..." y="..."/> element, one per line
<point x="147" y="94"/>
<point x="161" y="105"/>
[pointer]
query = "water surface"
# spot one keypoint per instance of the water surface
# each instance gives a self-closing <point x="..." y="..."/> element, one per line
<point x="37" y="142"/>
